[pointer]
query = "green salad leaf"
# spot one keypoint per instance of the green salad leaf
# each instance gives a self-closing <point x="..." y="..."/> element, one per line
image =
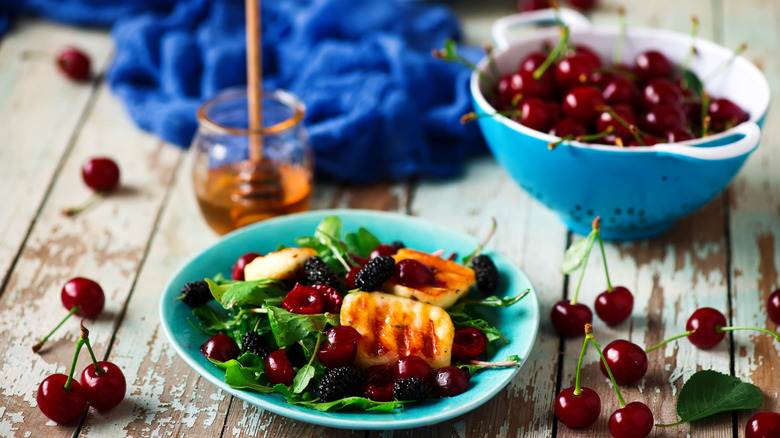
<point x="355" y="402"/>
<point x="246" y="293"/>
<point x="302" y="378"/>
<point x="289" y="328"/>
<point x="361" y="243"/>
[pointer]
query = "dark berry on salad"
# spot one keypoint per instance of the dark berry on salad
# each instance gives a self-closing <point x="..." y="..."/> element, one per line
<point x="254" y="343"/>
<point x="317" y="272"/>
<point x="411" y="389"/>
<point x="341" y="382"/>
<point x="398" y="245"/>
<point x="486" y="272"/>
<point x="375" y="273"/>
<point x="196" y="293"/>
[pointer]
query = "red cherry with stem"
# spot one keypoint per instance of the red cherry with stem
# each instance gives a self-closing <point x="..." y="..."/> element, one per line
<point x="652" y="64"/>
<point x="763" y="425"/>
<point x="580" y="103"/>
<point x="619" y="118"/>
<point x="675" y="135"/>
<point x="413" y="366"/>
<point x="578" y="406"/>
<point x="568" y="127"/>
<point x="773" y="306"/>
<point x="661" y="91"/>
<point x="279" y="369"/>
<point x="537" y="114"/>
<point x="220" y="347"/>
<point x="101" y="174"/>
<point x="237" y="272"/>
<point x="568" y="319"/>
<point x="627" y="361"/>
<point x="340" y="348"/>
<point x="581" y="49"/>
<point x="450" y="381"/>
<point x="413" y="273"/>
<point x="725" y="114"/>
<point x="350" y="278"/>
<point x="620" y="89"/>
<point x="703" y="325"/>
<point x="304" y="300"/>
<point x="383" y="250"/>
<point x="635" y="420"/>
<point x="83" y="297"/>
<point x="521" y="85"/>
<point x="469" y="343"/>
<point x="659" y="119"/>
<point x="103" y="382"/>
<point x="573" y="71"/>
<point x="533" y="61"/>
<point x="614" y="307"/>
<point x="60" y="397"/>
<point x="74" y="63"/>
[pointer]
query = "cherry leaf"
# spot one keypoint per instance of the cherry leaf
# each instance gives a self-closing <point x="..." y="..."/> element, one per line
<point x="692" y="82"/>
<point x="575" y="254"/>
<point x="709" y="392"/>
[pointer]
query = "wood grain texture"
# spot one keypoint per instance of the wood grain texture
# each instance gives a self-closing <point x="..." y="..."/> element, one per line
<point x="755" y="214"/>
<point x="106" y="243"/>
<point x="39" y="111"/>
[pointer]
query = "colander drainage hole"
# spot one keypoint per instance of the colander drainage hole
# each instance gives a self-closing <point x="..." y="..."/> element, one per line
<point x="641" y="213"/>
<point x="589" y="212"/>
<point x="618" y="211"/>
<point x="664" y="178"/>
<point x="630" y="210"/>
<point x="578" y="207"/>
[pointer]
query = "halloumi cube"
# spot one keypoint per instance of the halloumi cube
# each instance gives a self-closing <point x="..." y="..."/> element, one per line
<point x="394" y="327"/>
<point x="285" y="264"/>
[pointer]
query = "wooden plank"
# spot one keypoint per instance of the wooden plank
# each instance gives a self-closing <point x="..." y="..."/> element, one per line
<point x="106" y="243"/>
<point x="531" y="236"/>
<point x="39" y="110"/>
<point x="670" y="276"/>
<point x="755" y="214"/>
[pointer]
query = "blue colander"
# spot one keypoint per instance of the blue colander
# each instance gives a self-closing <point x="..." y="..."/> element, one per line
<point x="638" y="192"/>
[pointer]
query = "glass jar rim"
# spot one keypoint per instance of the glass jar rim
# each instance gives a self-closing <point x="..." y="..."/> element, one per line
<point x="285" y="97"/>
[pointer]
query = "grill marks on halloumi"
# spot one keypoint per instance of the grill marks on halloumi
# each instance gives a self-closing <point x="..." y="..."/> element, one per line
<point x="453" y="280"/>
<point x="393" y="327"/>
<point x="285" y="264"/>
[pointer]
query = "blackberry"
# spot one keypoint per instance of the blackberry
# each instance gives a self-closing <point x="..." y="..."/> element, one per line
<point x="254" y="343"/>
<point x="196" y="293"/>
<point x="486" y="272"/>
<point x="398" y="244"/>
<point x="411" y="389"/>
<point x="375" y="273"/>
<point x="317" y="272"/>
<point x="341" y="382"/>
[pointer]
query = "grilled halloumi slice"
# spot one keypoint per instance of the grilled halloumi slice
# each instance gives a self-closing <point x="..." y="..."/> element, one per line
<point x="452" y="280"/>
<point x="285" y="264"/>
<point x="394" y="327"/>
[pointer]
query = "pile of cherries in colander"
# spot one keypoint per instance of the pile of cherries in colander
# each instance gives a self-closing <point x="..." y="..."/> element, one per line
<point x="570" y="93"/>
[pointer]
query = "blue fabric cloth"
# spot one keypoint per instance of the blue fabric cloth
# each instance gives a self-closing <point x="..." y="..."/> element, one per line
<point x="378" y="104"/>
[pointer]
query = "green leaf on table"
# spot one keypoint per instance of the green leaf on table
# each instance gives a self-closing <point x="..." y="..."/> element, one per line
<point x="361" y="243"/>
<point x="289" y="328"/>
<point x="353" y="402"/>
<point x="575" y="254"/>
<point x="709" y="392"/>
<point x="692" y="82"/>
<point x="251" y="293"/>
<point x="302" y="379"/>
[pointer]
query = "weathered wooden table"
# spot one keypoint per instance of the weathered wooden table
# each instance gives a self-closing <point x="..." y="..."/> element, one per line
<point x="723" y="256"/>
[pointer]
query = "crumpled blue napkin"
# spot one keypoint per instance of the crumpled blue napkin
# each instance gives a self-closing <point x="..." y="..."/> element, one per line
<point x="378" y="104"/>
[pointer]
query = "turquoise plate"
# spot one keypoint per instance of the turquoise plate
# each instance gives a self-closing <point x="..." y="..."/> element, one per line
<point x="519" y="323"/>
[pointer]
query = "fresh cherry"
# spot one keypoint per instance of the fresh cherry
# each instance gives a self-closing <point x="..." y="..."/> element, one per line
<point x="588" y="52"/>
<point x="59" y="403"/>
<point x="521" y="85"/>
<point x="537" y="114"/>
<point x="580" y="103"/>
<point x="726" y="114"/>
<point x="101" y="174"/>
<point x="469" y="343"/>
<point x="661" y="118"/>
<point x="532" y="5"/>
<point x="413" y="366"/>
<point x="105" y="390"/>
<point x="450" y="381"/>
<point x="614" y="307"/>
<point x="74" y="63"/>
<point x="617" y="118"/>
<point x="763" y="425"/>
<point x="533" y="61"/>
<point x="652" y="64"/>
<point x="568" y="319"/>
<point x="627" y="361"/>
<point x="568" y="127"/>
<point x="620" y="89"/>
<point x="705" y="324"/>
<point x="773" y="306"/>
<point x="340" y="348"/>
<point x="383" y="250"/>
<point x="573" y="71"/>
<point x="661" y="91"/>
<point x="83" y="297"/>
<point x="350" y="278"/>
<point x="413" y="273"/>
<point x="305" y="300"/>
<point x="583" y="5"/>
<point x="220" y="347"/>
<point x="635" y="420"/>
<point x="646" y="141"/>
<point x="577" y="410"/>
<point x="331" y="297"/>
<point x="237" y="272"/>
<point x="379" y="382"/>
<point x="676" y="135"/>
<point x="279" y="369"/>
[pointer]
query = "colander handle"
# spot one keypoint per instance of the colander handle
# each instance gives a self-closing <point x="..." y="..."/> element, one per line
<point x="750" y="133"/>
<point x="503" y="26"/>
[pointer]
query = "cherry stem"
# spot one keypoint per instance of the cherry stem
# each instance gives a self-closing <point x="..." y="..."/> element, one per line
<point x="681" y="335"/>
<point x="554" y="54"/>
<point x="577" y="389"/>
<point x="622" y="402"/>
<point x="725" y="63"/>
<point x="769" y="332"/>
<point x="316" y="348"/>
<point x="689" y="55"/>
<point x="491" y="60"/>
<point x="67" y="385"/>
<point x="260" y="310"/>
<point x="591" y="236"/>
<point x="617" y="54"/>
<point x="470" y="117"/>
<point x="705" y="107"/>
<point x="604" y="257"/>
<point x="98" y="370"/>
<point x="450" y="53"/>
<point x="40" y="343"/>
<point x="73" y="211"/>
<point x="484" y="242"/>
<point x="609" y="130"/>
<point x="554" y="144"/>
<point x="502" y="364"/>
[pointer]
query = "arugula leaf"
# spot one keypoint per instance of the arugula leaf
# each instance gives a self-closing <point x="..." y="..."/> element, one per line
<point x="217" y="290"/>
<point x="709" y="392"/>
<point x="211" y="320"/>
<point x="357" y="402"/>
<point x="251" y="293"/>
<point x="244" y="378"/>
<point x="494" y="301"/>
<point x="220" y="279"/>
<point x="326" y="242"/>
<point x="289" y="328"/>
<point x="575" y="254"/>
<point x="302" y="378"/>
<point x="361" y="243"/>
<point x="330" y="227"/>
<point x="692" y="82"/>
